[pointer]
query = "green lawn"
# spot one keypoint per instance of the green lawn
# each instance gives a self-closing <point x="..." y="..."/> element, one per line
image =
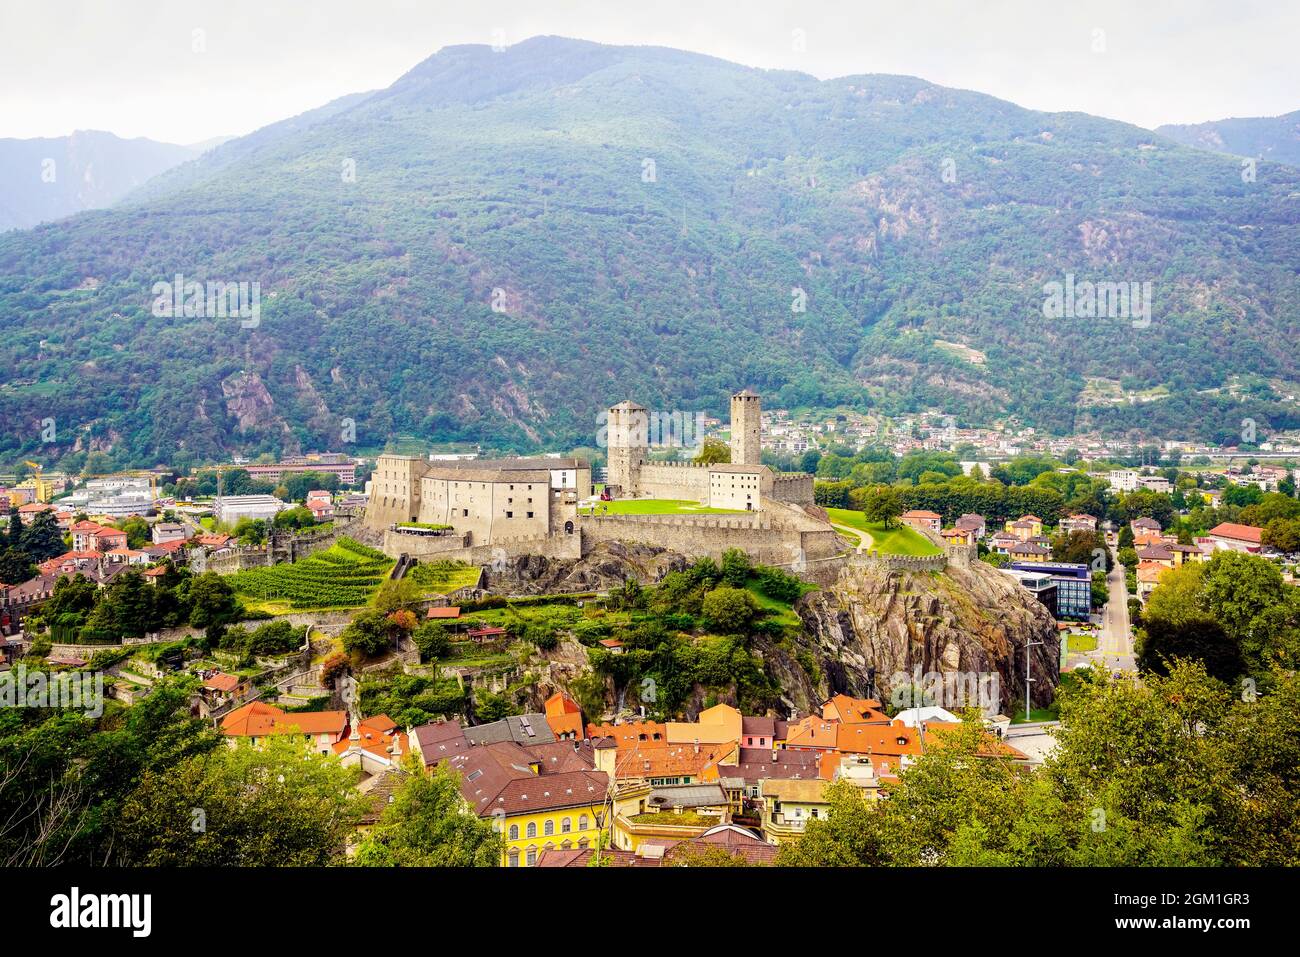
<point x="780" y="610"/>
<point x="657" y="506"/>
<point x="1079" y="642"/>
<point x="899" y="540"/>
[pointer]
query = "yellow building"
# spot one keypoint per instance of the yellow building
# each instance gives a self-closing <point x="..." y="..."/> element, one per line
<point x="667" y="814"/>
<point x="1025" y="527"/>
<point x="537" y="796"/>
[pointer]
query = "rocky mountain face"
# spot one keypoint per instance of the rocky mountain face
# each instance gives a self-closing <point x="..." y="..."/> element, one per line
<point x="607" y="566"/>
<point x="1274" y="138"/>
<point x="872" y="632"/>
<point x="48" y="178"/>
<point x="971" y="622"/>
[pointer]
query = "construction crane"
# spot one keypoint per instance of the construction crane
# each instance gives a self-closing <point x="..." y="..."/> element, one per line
<point x="42" y="489"/>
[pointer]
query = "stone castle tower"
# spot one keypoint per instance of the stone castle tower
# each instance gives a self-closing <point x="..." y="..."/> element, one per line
<point x="746" y="428"/>
<point x="627" y="434"/>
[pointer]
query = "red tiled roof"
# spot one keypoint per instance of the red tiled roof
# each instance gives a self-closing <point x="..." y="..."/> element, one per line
<point x="1241" y="533"/>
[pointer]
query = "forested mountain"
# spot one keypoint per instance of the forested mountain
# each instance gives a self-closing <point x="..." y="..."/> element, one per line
<point x="502" y="243"/>
<point x="1275" y="138"/>
<point x="47" y="178"/>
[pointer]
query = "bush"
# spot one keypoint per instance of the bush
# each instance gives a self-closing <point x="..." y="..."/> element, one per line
<point x="779" y="586"/>
<point x="730" y="610"/>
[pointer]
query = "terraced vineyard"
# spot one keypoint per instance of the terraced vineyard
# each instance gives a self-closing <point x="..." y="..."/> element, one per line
<point x="344" y="575"/>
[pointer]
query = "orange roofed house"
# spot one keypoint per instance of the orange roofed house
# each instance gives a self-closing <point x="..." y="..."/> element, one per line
<point x="257" y="720"/>
<point x="564" y="716"/>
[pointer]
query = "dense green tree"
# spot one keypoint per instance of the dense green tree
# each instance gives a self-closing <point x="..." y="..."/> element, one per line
<point x="426" y="825"/>
<point x="42" y="539"/>
<point x="210" y="599"/>
<point x="883" y="504"/>
<point x="730" y="610"/>
<point x="16" y="566"/>
<point x="432" y="640"/>
<point x="280" y="804"/>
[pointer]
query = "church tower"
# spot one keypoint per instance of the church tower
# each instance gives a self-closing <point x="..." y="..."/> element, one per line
<point x="746" y="428"/>
<point x="628" y="436"/>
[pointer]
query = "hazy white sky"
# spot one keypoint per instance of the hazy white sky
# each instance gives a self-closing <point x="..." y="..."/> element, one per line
<point x="139" y="68"/>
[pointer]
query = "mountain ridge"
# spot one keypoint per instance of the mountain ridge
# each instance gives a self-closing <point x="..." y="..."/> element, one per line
<point x="642" y="229"/>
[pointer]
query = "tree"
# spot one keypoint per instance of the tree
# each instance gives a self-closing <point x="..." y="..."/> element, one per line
<point x="713" y="452"/>
<point x="396" y="594"/>
<point x="1196" y="636"/>
<point x="1174" y="770"/>
<point x="1082" y="548"/>
<point x="14" y="527"/>
<point x="279" y="804"/>
<point x="42" y="539"/>
<point x="883" y="505"/>
<point x="137" y="532"/>
<point x="426" y="825"/>
<point x="730" y="610"/>
<point x="432" y="640"/>
<point x="211" y="600"/>
<point x="1100" y="590"/>
<point x="369" y="634"/>
<point x="735" y="567"/>
<point x="1282" y="534"/>
<point x="16" y="566"/>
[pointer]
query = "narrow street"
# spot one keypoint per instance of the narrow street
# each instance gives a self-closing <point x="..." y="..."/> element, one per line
<point x="1115" y="640"/>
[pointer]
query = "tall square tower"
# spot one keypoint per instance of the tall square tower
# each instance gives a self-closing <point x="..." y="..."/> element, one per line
<point x="627" y="434"/>
<point x="746" y="428"/>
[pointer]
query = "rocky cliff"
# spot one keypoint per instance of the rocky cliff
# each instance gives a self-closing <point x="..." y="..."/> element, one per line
<point x="875" y="631"/>
<point x="608" y="565"/>
<point x="871" y="631"/>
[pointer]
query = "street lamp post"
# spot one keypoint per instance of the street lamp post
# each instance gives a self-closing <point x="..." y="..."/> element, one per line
<point x="1028" y="680"/>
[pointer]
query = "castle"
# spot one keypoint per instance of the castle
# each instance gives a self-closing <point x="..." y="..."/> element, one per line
<point x="743" y="484"/>
<point x="481" y="510"/>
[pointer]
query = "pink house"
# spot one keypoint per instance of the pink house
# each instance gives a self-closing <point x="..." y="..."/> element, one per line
<point x="757" y="732"/>
<point x="923" y="520"/>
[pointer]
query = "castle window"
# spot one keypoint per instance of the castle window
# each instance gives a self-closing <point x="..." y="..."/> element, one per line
<point x="530" y="514"/>
<point x="532" y="828"/>
<point x="566" y="825"/>
<point x="514" y="857"/>
<point x="582" y="822"/>
<point x="510" y="514"/>
<point x="550" y="828"/>
<point x="514" y="833"/>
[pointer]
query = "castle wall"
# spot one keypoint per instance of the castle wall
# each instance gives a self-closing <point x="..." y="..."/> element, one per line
<point x="487" y="510"/>
<point x="793" y="487"/>
<point x="698" y="536"/>
<point x="456" y="547"/>
<point x="683" y="480"/>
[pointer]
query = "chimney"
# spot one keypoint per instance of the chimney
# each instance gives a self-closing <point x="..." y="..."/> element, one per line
<point x="697" y="745"/>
